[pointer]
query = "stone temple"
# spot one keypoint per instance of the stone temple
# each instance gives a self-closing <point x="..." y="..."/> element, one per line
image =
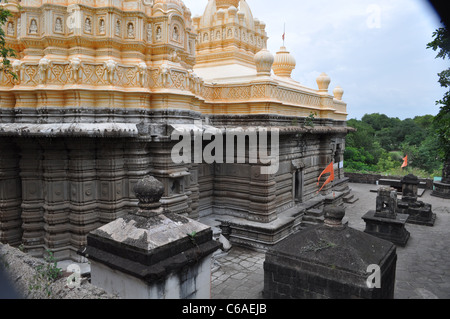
<point x="101" y="87"/>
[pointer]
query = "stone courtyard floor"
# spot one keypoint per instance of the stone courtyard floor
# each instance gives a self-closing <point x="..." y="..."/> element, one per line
<point x="423" y="266"/>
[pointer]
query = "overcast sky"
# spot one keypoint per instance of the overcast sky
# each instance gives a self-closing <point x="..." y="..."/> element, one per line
<point x="374" y="49"/>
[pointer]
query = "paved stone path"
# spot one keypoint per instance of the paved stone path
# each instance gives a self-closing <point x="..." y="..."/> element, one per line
<point x="423" y="266"/>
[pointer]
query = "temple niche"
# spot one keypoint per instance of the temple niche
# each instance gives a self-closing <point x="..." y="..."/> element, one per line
<point x="99" y="95"/>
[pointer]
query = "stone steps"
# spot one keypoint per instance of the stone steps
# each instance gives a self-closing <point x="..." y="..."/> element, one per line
<point x="312" y="217"/>
<point x="350" y="199"/>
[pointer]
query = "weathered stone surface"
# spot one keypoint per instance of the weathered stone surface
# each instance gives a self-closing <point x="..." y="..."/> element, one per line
<point x="385" y="222"/>
<point x="329" y="261"/>
<point x="148" y="246"/>
<point x="419" y="212"/>
<point x="21" y="270"/>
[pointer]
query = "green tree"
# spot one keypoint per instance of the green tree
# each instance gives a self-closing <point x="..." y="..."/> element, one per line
<point x="441" y="44"/>
<point x="5" y="52"/>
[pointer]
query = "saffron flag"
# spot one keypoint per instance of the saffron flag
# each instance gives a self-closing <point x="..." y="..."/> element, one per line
<point x="405" y="161"/>
<point x="329" y="169"/>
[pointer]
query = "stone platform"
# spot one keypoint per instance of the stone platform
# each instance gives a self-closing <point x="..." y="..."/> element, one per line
<point x="392" y="229"/>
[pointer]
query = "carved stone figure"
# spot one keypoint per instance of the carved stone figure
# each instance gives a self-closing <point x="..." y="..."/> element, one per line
<point x="76" y="64"/>
<point x="158" y="34"/>
<point x="101" y="27"/>
<point x="44" y="65"/>
<point x="117" y="32"/>
<point x="175" y="34"/>
<point x="164" y="74"/>
<point x="130" y="30"/>
<point x="142" y="71"/>
<point x="58" y="25"/>
<point x="110" y="66"/>
<point x="33" y="27"/>
<point x="10" y="29"/>
<point x="17" y="67"/>
<point x="149" y="33"/>
<point x="87" y="25"/>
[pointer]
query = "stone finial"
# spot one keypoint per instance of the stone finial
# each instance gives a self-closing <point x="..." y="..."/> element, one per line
<point x="333" y="216"/>
<point x="323" y="81"/>
<point x="149" y="191"/>
<point x="284" y="63"/>
<point x="338" y="93"/>
<point x="264" y="61"/>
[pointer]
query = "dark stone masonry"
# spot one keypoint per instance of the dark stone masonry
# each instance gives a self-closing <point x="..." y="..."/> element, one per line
<point x="330" y="261"/>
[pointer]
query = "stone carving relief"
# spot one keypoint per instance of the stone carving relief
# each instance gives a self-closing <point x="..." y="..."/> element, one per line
<point x="130" y="30"/>
<point x="33" y="28"/>
<point x="75" y="64"/>
<point x="58" y="25"/>
<point x="142" y="72"/>
<point x="87" y="25"/>
<point x="44" y="66"/>
<point x="10" y="29"/>
<point x="117" y="28"/>
<point x="111" y="67"/>
<point x="176" y="34"/>
<point x="17" y="67"/>
<point x="158" y="35"/>
<point x="149" y="33"/>
<point x="164" y="71"/>
<point x="101" y="26"/>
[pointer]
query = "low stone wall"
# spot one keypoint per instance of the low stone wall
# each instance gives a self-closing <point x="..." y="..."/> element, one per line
<point x="22" y="272"/>
<point x="373" y="178"/>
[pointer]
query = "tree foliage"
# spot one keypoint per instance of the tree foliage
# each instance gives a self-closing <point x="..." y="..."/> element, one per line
<point x="441" y="44"/>
<point x="381" y="142"/>
<point x="5" y="52"/>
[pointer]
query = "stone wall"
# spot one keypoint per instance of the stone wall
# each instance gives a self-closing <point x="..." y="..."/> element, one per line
<point x="21" y="270"/>
<point x="373" y="178"/>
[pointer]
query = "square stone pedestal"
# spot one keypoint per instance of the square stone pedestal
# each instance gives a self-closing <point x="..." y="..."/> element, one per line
<point x="391" y="229"/>
<point x="152" y="254"/>
<point x="419" y="213"/>
<point x="441" y="190"/>
<point x="330" y="261"/>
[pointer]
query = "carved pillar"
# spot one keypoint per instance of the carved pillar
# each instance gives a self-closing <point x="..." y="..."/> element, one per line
<point x="172" y="175"/>
<point x="10" y="194"/>
<point x="193" y="188"/>
<point x="31" y="172"/>
<point x="84" y="216"/>
<point x="56" y="197"/>
<point x="110" y="166"/>
<point x="137" y="165"/>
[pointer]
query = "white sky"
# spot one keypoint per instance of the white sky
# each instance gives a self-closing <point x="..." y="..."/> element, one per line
<point x="374" y="49"/>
